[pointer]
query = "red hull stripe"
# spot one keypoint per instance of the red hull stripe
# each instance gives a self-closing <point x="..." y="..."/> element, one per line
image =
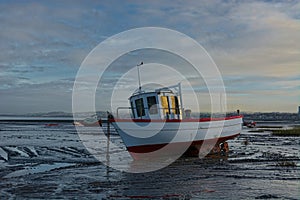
<point x="176" y="120"/>
<point x="155" y="147"/>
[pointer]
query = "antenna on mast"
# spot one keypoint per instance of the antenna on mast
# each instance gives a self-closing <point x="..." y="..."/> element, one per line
<point x="138" y="69"/>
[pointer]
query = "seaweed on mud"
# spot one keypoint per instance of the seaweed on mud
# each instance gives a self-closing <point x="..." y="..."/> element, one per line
<point x="286" y="164"/>
<point x="267" y="196"/>
<point x="287" y="132"/>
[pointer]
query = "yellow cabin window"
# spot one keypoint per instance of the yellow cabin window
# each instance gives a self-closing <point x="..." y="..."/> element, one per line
<point x="164" y="104"/>
<point x="173" y="105"/>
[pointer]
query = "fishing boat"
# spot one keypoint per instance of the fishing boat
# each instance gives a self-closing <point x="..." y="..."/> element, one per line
<point x="249" y="124"/>
<point x="90" y="121"/>
<point x="159" y="123"/>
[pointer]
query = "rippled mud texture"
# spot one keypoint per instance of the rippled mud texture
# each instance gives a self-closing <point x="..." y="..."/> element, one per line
<point x="39" y="161"/>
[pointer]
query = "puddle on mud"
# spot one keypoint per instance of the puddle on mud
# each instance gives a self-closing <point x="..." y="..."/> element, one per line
<point x="37" y="169"/>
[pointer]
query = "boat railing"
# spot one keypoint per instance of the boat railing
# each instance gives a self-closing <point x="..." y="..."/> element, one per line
<point x="122" y="108"/>
<point x="165" y="110"/>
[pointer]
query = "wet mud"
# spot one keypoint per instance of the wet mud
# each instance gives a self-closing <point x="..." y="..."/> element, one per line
<point x="38" y="161"/>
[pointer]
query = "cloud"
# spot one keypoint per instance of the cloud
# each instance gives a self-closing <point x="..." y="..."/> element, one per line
<point x="28" y="97"/>
<point x="268" y="43"/>
<point x="256" y="44"/>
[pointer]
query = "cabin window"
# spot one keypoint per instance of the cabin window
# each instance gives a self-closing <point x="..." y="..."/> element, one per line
<point x="132" y="109"/>
<point x="165" y="105"/>
<point x="140" y="107"/>
<point x="152" y="105"/>
<point x="177" y="111"/>
<point x="172" y="104"/>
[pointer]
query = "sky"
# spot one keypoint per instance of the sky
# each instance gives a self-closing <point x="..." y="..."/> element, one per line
<point x="255" y="44"/>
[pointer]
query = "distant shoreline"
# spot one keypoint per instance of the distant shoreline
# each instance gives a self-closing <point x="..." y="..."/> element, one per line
<point x="36" y="119"/>
<point x="265" y="117"/>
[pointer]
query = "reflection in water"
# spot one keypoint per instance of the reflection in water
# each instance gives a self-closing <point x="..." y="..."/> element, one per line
<point x="37" y="169"/>
<point x="107" y="150"/>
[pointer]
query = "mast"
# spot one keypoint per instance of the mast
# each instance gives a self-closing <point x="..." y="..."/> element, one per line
<point x="138" y="70"/>
<point x="180" y="96"/>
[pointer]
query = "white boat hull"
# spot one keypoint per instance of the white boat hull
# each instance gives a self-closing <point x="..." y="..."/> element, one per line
<point x="143" y="136"/>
